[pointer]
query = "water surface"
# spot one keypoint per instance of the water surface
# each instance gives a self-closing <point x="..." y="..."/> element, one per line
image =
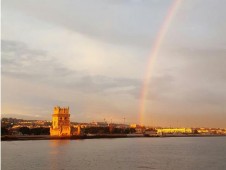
<point x="175" y="153"/>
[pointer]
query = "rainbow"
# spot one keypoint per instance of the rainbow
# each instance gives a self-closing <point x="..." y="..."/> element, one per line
<point x="154" y="53"/>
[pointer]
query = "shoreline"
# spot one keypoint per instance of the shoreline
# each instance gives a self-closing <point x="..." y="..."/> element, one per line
<point x="97" y="136"/>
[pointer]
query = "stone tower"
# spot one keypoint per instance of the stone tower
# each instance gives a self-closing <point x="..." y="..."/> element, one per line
<point x="60" y="122"/>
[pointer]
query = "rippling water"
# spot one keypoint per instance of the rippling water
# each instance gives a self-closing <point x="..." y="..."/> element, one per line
<point x="201" y="153"/>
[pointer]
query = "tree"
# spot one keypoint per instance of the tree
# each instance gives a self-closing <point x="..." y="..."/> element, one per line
<point x="25" y="130"/>
<point x="4" y="131"/>
<point x="195" y="131"/>
<point x="39" y="131"/>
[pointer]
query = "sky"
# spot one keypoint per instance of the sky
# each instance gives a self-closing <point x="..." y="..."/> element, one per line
<point x="93" y="56"/>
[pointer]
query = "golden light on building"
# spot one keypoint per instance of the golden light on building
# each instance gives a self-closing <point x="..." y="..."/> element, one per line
<point x="174" y="130"/>
<point x="60" y="122"/>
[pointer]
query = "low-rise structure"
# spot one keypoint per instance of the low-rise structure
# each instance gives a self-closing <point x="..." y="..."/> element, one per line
<point x="174" y="130"/>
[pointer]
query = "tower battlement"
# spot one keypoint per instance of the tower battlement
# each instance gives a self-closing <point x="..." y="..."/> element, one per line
<point x="61" y="110"/>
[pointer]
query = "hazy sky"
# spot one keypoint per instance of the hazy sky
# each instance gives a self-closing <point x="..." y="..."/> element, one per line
<point x="92" y="56"/>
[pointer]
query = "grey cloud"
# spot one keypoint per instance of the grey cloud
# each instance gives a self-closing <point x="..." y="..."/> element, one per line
<point x="133" y="23"/>
<point x="118" y="23"/>
<point x="158" y="89"/>
<point x="206" y="96"/>
<point x="18" y="58"/>
<point x="199" y="75"/>
<point x="204" y="64"/>
<point x="102" y="84"/>
<point x="190" y="72"/>
<point x="205" y="80"/>
<point x="37" y="66"/>
<point x="19" y="61"/>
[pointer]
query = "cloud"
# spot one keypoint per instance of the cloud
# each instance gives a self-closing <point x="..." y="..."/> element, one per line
<point x="198" y="72"/>
<point x="128" y="24"/>
<point x="94" y="54"/>
<point x="19" y="61"/>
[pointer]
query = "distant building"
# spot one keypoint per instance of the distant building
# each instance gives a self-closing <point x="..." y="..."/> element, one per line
<point x="99" y="124"/>
<point x="60" y="122"/>
<point x="150" y="131"/>
<point x="174" y="130"/>
<point x="138" y="128"/>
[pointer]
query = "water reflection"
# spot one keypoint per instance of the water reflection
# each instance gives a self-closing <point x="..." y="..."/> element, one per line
<point x="57" y="143"/>
<point x="57" y="152"/>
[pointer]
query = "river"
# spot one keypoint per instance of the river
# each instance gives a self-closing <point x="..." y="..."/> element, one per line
<point x="167" y="153"/>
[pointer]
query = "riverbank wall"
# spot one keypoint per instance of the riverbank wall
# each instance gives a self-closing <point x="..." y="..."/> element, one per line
<point x="96" y="136"/>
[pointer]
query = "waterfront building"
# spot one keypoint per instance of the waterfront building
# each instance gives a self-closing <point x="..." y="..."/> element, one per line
<point x="150" y="131"/>
<point x="174" y="130"/>
<point x="99" y="124"/>
<point x="138" y="128"/>
<point x="60" y="122"/>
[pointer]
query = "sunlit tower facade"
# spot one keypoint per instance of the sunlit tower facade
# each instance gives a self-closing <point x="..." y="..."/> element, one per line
<point x="60" y="122"/>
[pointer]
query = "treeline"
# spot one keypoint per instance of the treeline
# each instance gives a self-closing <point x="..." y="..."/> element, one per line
<point x="87" y="130"/>
<point x="27" y="131"/>
<point x="107" y="130"/>
<point x="4" y="131"/>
